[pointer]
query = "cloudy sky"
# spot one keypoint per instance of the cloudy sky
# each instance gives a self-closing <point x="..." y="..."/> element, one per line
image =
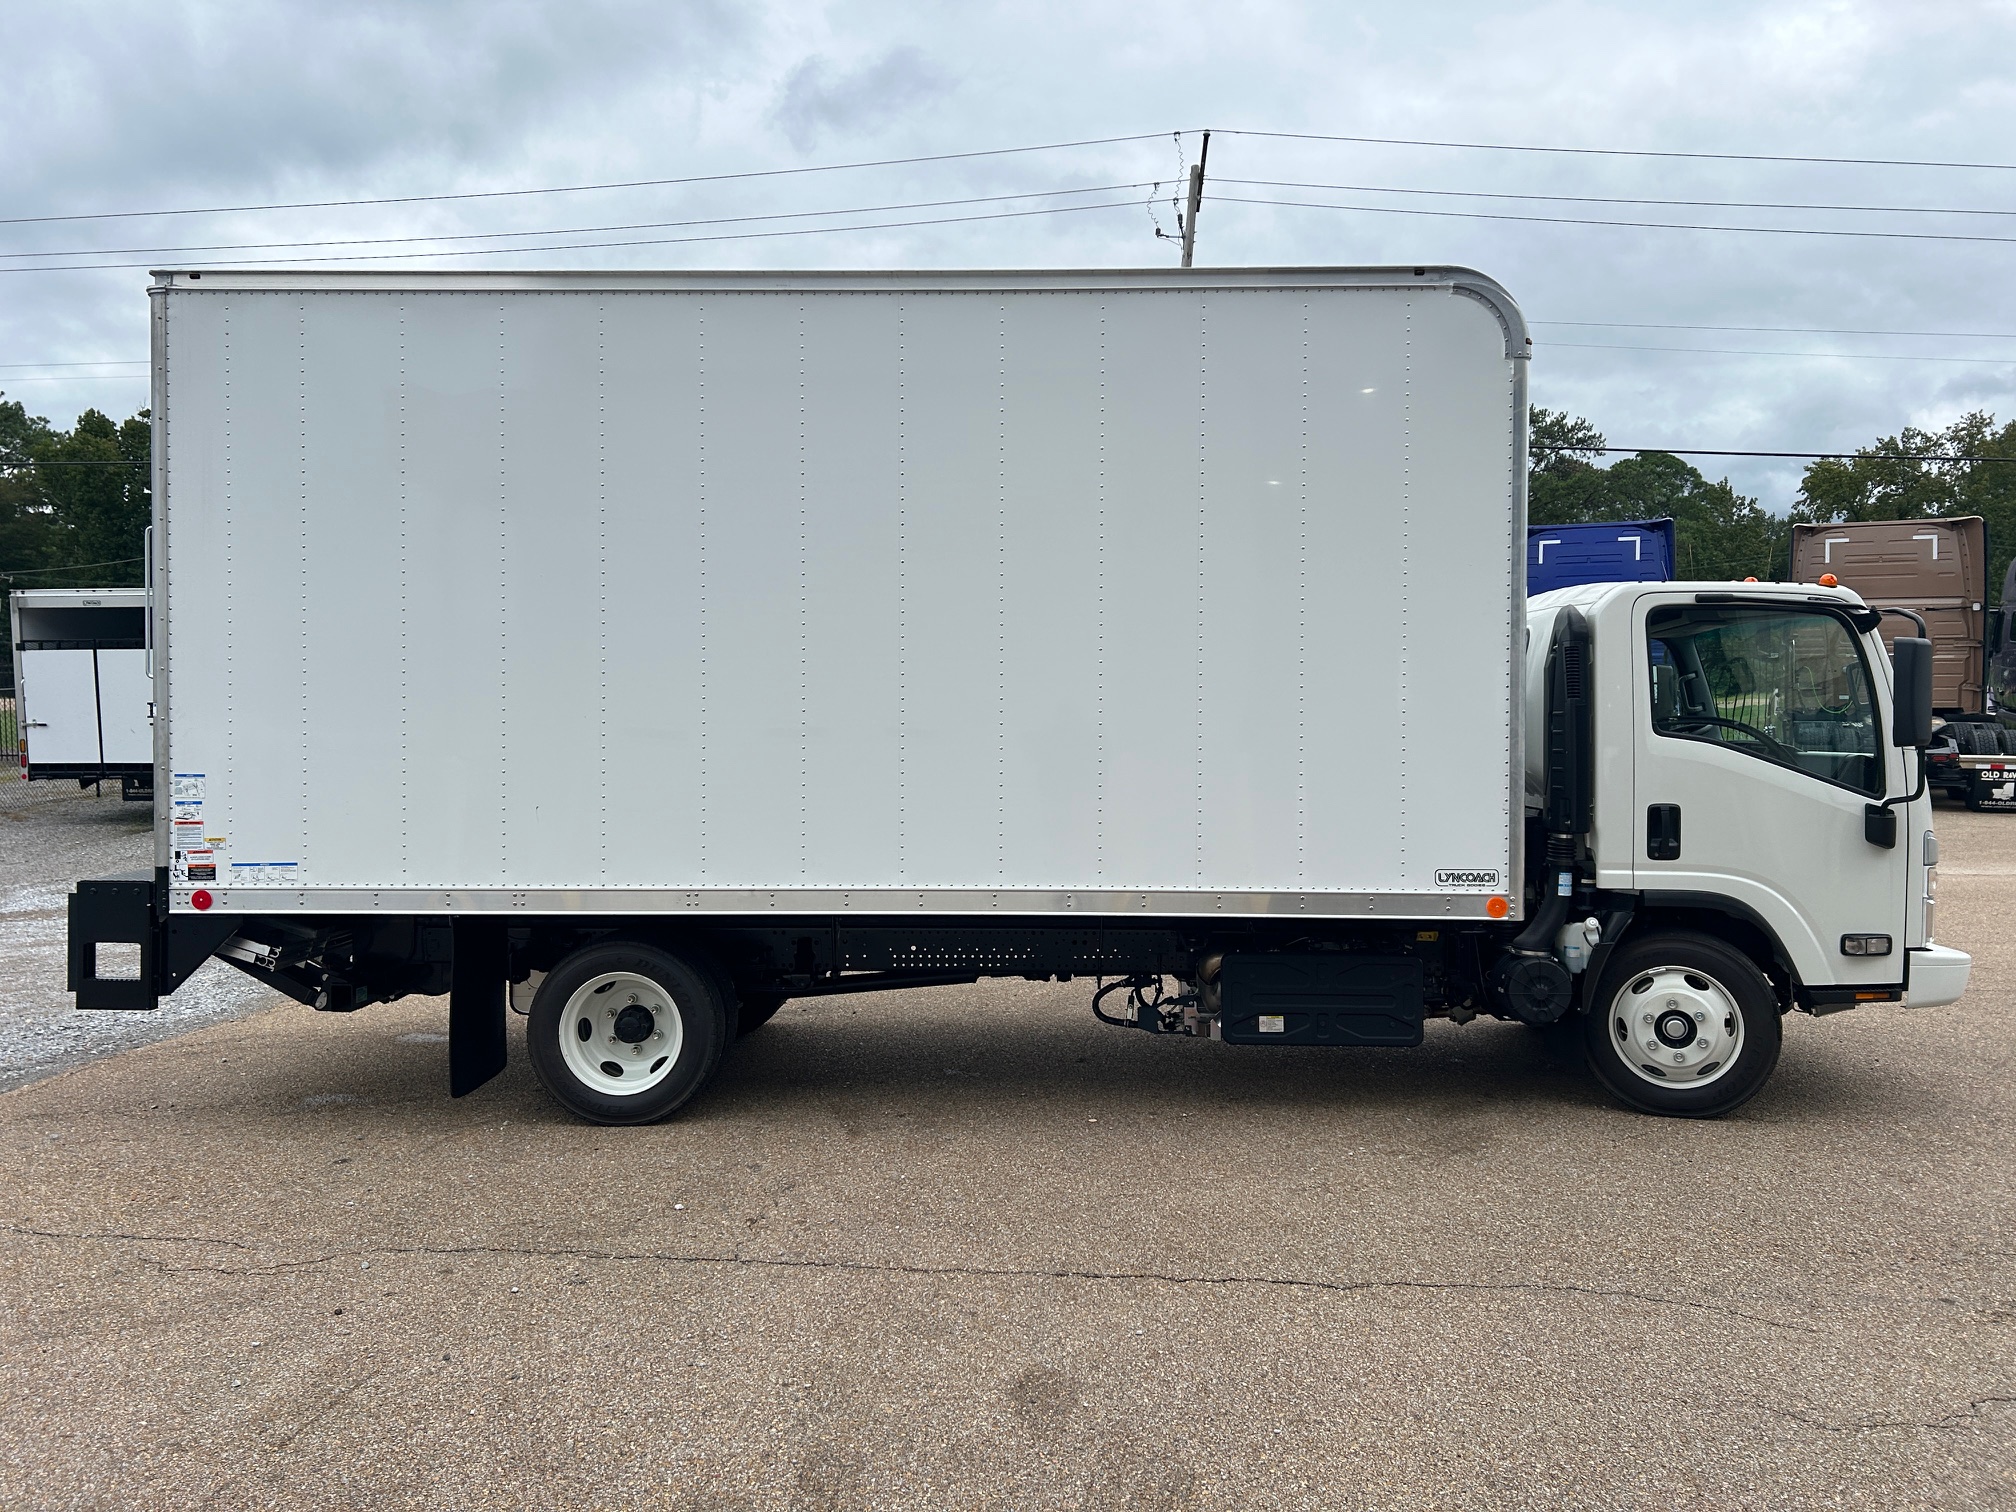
<point x="1674" y="337"/>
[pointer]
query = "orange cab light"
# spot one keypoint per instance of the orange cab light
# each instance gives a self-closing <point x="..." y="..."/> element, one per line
<point x="1750" y="580"/>
<point x="1497" y="908"/>
<point x="1828" y="580"/>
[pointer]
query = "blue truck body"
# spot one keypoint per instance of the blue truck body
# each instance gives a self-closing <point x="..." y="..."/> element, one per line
<point x="1622" y="551"/>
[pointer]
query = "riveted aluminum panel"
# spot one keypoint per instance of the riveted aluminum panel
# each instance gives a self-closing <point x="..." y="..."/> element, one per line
<point x="1052" y="592"/>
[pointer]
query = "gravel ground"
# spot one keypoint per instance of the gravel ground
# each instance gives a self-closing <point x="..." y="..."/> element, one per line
<point x="969" y="1248"/>
<point x="52" y="833"/>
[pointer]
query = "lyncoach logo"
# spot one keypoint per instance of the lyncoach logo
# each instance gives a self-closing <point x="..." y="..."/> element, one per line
<point x="1467" y="879"/>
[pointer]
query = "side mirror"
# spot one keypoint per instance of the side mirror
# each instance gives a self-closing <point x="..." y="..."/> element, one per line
<point x="1911" y="680"/>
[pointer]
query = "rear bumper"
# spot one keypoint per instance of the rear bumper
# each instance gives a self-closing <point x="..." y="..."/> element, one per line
<point x="1938" y="976"/>
<point x="131" y="910"/>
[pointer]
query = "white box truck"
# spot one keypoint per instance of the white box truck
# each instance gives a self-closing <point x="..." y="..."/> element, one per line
<point x="657" y="647"/>
<point x="83" y="686"/>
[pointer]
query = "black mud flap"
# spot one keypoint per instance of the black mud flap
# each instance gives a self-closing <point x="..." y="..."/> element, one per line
<point x="476" y="994"/>
<point x="162" y="949"/>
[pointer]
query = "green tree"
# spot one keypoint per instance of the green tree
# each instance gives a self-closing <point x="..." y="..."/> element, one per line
<point x="75" y="506"/>
<point x="1873" y="485"/>
<point x="1719" y="533"/>
<point x="29" y="531"/>
<point x="98" y="487"/>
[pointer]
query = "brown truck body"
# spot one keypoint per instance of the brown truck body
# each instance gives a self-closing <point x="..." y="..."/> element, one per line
<point x="1938" y="568"/>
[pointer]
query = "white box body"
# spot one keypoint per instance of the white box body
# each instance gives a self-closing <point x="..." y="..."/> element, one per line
<point x="82" y="681"/>
<point x="1120" y="593"/>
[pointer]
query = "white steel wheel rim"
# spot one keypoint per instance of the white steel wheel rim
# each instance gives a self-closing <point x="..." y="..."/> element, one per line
<point x="1645" y="1022"/>
<point x="620" y="1034"/>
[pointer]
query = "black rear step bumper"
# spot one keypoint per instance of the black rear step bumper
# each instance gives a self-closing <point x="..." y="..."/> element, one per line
<point x="131" y="910"/>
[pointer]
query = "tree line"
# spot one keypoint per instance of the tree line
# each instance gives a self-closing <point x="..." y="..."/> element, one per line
<point x="1720" y="533"/>
<point x="74" y="504"/>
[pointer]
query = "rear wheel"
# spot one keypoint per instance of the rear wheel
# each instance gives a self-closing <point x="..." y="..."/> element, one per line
<point x="627" y="1033"/>
<point x="1682" y="1024"/>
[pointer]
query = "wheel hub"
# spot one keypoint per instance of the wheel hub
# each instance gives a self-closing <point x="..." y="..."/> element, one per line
<point x="620" y="1034"/>
<point x="1674" y="1025"/>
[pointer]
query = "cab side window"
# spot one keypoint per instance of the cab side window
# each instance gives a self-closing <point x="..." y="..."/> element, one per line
<point x="1785" y="686"/>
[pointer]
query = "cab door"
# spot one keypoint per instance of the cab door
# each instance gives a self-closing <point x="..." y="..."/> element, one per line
<point x="1759" y="747"/>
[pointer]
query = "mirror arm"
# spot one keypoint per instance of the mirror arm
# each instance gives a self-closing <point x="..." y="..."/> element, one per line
<point x="1911" y="797"/>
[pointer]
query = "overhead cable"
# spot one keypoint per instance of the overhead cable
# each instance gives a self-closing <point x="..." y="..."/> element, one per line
<point x="1605" y="346"/>
<point x="1631" y="152"/>
<point x="1562" y="220"/>
<point x="655" y="241"/>
<point x="468" y="236"/>
<point x="1614" y="199"/>
<point x="1641" y="325"/>
<point x="659" y="183"/>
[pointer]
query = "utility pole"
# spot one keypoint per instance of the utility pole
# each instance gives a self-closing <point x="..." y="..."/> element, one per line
<point x="1196" y="201"/>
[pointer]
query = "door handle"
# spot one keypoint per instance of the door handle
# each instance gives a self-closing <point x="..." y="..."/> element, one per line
<point x="1662" y="832"/>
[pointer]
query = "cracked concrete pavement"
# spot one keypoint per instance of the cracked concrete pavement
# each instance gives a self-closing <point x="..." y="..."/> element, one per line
<point x="967" y="1247"/>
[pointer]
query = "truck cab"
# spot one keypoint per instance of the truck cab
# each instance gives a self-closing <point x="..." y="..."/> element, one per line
<point x="1734" y="727"/>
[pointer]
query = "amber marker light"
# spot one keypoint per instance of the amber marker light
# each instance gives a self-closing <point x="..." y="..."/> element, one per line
<point x="1828" y="580"/>
<point x="1497" y="908"/>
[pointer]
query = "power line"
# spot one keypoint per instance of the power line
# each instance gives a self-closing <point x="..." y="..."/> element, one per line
<point x="1560" y="220"/>
<point x="14" y="572"/>
<point x="1703" y="451"/>
<point x="655" y="241"/>
<point x="480" y="194"/>
<point x="1635" y="325"/>
<point x="1634" y="152"/>
<point x="65" y="462"/>
<point x="466" y="236"/>
<point x="1609" y="199"/>
<point x="102" y="362"/>
<point x="1604" y="346"/>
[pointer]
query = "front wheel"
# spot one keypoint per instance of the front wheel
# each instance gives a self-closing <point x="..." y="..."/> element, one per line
<point x="1682" y="1024"/>
<point x="627" y="1033"/>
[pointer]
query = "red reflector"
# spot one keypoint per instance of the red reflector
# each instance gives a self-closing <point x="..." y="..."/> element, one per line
<point x="199" y="899"/>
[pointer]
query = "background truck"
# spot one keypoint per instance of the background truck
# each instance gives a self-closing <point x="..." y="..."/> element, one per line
<point x="1936" y="573"/>
<point x="656" y="647"/>
<point x="1624" y="551"/>
<point x="83" y="686"/>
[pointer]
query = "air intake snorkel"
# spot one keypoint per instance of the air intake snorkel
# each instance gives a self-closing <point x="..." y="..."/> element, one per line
<point x="1570" y="806"/>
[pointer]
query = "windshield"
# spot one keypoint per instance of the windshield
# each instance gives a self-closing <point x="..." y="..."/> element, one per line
<point x="1786" y="686"/>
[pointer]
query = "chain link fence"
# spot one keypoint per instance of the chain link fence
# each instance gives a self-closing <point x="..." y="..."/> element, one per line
<point x="19" y="797"/>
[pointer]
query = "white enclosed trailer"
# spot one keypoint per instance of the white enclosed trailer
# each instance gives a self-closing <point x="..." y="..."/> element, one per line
<point x="686" y="642"/>
<point x="83" y="687"/>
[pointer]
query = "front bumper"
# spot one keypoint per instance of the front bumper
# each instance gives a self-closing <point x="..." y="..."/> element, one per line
<point x="1938" y="975"/>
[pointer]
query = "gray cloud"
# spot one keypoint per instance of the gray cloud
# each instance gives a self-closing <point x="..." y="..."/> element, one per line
<point x="818" y="100"/>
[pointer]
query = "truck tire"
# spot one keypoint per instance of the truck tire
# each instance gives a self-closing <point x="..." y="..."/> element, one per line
<point x="758" y="1008"/>
<point x="626" y="1033"/>
<point x="1652" y="990"/>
